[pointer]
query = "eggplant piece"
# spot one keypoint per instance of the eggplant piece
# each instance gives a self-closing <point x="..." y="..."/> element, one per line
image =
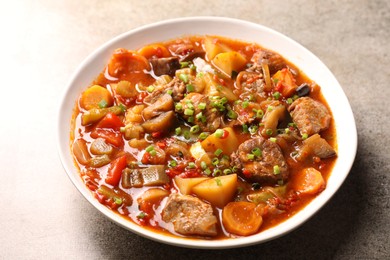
<point x="117" y="195"/>
<point x="165" y="66"/>
<point x="317" y="146"/>
<point x="162" y="103"/>
<point x="161" y="123"/>
<point x="153" y="175"/>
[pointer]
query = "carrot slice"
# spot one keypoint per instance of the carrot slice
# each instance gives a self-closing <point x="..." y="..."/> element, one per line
<point x="241" y="218"/>
<point x="310" y="181"/>
<point x="94" y="95"/>
<point x="154" y="50"/>
<point x="125" y="61"/>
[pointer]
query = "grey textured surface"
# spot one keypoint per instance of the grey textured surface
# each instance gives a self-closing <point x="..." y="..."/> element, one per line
<point x="44" y="217"/>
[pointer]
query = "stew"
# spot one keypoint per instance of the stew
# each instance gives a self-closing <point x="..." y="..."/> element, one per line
<point x="203" y="137"/>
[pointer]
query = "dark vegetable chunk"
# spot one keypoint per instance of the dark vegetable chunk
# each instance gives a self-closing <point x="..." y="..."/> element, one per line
<point x="165" y="66"/>
<point x="309" y="115"/>
<point x="261" y="160"/>
<point x="190" y="215"/>
<point x="162" y="123"/>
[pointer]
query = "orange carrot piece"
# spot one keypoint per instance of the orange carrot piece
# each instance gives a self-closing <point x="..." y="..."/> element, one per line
<point x="93" y="96"/>
<point x="241" y="218"/>
<point x="310" y="181"/>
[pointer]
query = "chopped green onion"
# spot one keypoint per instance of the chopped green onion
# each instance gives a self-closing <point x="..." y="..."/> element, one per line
<point x="207" y="171"/>
<point x="201" y="117"/>
<point x="245" y="104"/>
<point x="141" y="215"/>
<point x="219" y="133"/>
<point x="234" y="169"/>
<point x="184" y="64"/>
<point x="245" y="128"/>
<point x="276" y="95"/>
<point x="184" y="78"/>
<point x="178" y="131"/>
<point x="218" y="181"/>
<point x="253" y="129"/>
<point x="172" y="163"/>
<point x="202" y="106"/>
<point x="203" y="136"/>
<point x="153" y="153"/>
<point x="305" y="136"/>
<point x="122" y="107"/>
<point x="149" y="148"/>
<point x="287" y="130"/>
<point x="192" y="67"/>
<point x="227" y="171"/>
<point x="118" y="201"/>
<point x="191" y="119"/>
<point x="218" y="152"/>
<point x="186" y="135"/>
<point x="199" y="75"/>
<point x="231" y="114"/>
<point x="215" y="161"/>
<point x="194" y="129"/>
<point x="150" y="89"/>
<point x="269" y="131"/>
<point x="257" y="152"/>
<point x="178" y="106"/>
<point x="273" y="139"/>
<point x="217" y="172"/>
<point x="270" y="108"/>
<point x="103" y="103"/>
<point x="188" y="112"/>
<point x="295" y="97"/>
<point x="276" y="170"/>
<point x="190" y="105"/>
<point x="289" y="101"/>
<point x="170" y="92"/>
<point x="250" y="156"/>
<point x="203" y="165"/>
<point x="190" y="88"/>
<point x="191" y="165"/>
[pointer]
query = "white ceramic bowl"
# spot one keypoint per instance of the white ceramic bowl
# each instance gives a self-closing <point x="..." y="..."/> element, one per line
<point x="236" y="29"/>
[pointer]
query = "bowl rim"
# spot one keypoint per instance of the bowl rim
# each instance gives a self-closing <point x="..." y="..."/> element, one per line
<point x="63" y="139"/>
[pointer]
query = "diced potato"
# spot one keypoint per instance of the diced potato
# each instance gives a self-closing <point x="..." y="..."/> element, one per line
<point x="227" y="145"/>
<point x="134" y="114"/>
<point x="185" y="185"/>
<point x="199" y="153"/>
<point x="152" y="196"/>
<point x="213" y="47"/>
<point x="214" y="89"/>
<point x="272" y="118"/>
<point x="227" y="62"/>
<point x="95" y="114"/>
<point x="218" y="190"/>
<point x="125" y="89"/>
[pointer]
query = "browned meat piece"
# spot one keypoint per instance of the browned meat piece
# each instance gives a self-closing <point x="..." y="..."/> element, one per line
<point x="275" y="61"/>
<point x="267" y="168"/>
<point x="178" y="89"/>
<point x="194" y="54"/>
<point x="159" y="104"/>
<point x="190" y="215"/>
<point x="208" y="118"/>
<point x="165" y="66"/>
<point x="309" y="115"/>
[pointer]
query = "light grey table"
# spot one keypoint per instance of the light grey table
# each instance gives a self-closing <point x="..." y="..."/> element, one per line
<point x="43" y="216"/>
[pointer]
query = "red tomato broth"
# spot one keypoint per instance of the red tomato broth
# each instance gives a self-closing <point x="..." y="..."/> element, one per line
<point x="95" y="177"/>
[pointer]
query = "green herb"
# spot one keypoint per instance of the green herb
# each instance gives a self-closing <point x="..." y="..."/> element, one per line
<point x="149" y="148"/>
<point x="122" y="107"/>
<point x="184" y="64"/>
<point x="207" y="171"/>
<point x="150" y="89"/>
<point x="217" y="172"/>
<point x="194" y="129"/>
<point x="269" y="131"/>
<point x="276" y="170"/>
<point x="203" y="165"/>
<point x="200" y="74"/>
<point x="231" y="114"/>
<point x="203" y="136"/>
<point x="219" y="133"/>
<point x="186" y="135"/>
<point x="305" y="136"/>
<point x="218" y="152"/>
<point x="202" y="106"/>
<point x="118" y="201"/>
<point x="245" y="129"/>
<point x="218" y="181"/>
<point x="178" y="106"/>
<point x="191" y="119"/>
<point x="170" y="92"/>
<point x="178" y="131"/>
<point x="253" y="129"/>
<point x="289" y="101"/>
<point x="103" y="103"/>
<point x="256" y="152"/>
<point x="215" y="161"/>
<point x="245" y="104"/>
<point x="184" y="78"/>
<point x="272" y="139"/>
<point x="190" y="88"/>
<point x="227" y="171"/>
<point x="141" y="215"/>
<point x="153" y="153"/>
<point x="191" y="165"/>
<point x="276" y="95"/>
<point x="172" y="163"/>
<point x="192" y="67"/>
<point x="250" y="156"/>
<point x="188" y="112"/>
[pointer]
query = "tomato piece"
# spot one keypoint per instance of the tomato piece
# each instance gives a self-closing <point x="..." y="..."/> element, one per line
<point x="115" y="170"/>
<point x="285" y="82"/>
<point x="110" y="121"/>
<point x="154" y="50"/>
<point x="111" y="136"/>
<point x="125" y="61"/>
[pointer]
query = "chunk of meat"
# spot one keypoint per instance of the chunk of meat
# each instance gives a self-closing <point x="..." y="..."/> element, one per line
<point x="267" y="168"/>
<point x="161" y="103"/>
<point x="190" y="215"/>
<point x="209" y="119"/>
<point x="275" y="61"/>
<point x="165" y="66"/>
<point x="178" y="89"/>
<point x="309" y="115"/>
